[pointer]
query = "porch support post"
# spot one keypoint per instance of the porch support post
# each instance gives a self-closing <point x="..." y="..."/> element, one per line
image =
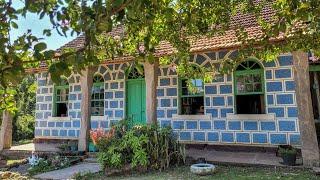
<point x="6" y="130"/>
<point x="151" y="78"/>
<point x="86" y="81"/>
<point x="309" y="143"/>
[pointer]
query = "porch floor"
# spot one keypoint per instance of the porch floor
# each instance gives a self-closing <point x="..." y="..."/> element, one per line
<point x="37" y="147"/>
<point x="237" y="158"/>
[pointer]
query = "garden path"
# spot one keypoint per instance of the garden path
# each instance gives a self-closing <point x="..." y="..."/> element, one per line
<point x="68" y="173"/>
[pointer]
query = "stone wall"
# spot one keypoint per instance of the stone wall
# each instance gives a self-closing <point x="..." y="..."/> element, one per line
<point x="217" y="126"/>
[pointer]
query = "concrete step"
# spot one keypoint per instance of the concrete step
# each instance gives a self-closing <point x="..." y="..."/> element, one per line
<point x="90" y="160"/>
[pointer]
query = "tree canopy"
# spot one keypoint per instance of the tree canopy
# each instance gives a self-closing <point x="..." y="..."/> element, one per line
<point x="294" y="25"/>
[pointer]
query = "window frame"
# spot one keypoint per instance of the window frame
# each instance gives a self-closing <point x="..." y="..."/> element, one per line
<point x="98" y="84"/>
<point x="180" y="96"/>
<point x="237" y="73"/>
<point x="56" y="88"/>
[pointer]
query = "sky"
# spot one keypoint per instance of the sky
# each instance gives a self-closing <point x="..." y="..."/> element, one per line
<point x="37" y="26"/>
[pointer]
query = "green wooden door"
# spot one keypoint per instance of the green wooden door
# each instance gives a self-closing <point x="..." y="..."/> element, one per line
<point x="136" y="101"/>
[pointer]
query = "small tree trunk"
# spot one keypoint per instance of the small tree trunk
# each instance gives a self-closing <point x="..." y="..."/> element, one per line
<point x="151" y="78"/>
<point x="6" y="131"/>
<point x="309" y="148"/>
<point x="86" y="82"/>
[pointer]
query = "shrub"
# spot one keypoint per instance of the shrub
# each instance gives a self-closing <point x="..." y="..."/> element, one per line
<point x="24" y="127"/>
<point x="140" y="146"/>
<point x="289" y="150"/>
<point x="45" y="165"/>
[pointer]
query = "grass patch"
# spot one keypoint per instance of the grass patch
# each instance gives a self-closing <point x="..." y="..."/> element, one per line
<point x="22" y="142"/>
<point x="223" y="172"/>
<point x="14" y="161"/>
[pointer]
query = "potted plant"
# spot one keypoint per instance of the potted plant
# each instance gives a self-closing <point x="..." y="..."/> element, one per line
<point x="289" y="155"/>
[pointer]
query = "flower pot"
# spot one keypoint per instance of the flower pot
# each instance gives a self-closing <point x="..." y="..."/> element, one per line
<point x="289" y="159"/>
<point x="92" y="147"/>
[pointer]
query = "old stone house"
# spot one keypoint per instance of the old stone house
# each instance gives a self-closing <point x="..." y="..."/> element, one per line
<point x="256" y="105"/>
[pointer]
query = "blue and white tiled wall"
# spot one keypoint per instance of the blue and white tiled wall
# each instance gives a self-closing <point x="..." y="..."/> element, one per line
<point x="219" y="101"/>
<point x="69" y="128"/>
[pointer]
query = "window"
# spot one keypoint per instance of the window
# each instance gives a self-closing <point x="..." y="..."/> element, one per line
<point x="61" y="99"/>
<point x="97" y="96"/>
<point x="191" y="102"/>
<point x="249" y="88"/>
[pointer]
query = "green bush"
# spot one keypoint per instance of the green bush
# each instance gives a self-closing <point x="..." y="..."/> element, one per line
<point x="24" y="127"/>
<point x="140" y="146"/>
<point x="50" y="164"/>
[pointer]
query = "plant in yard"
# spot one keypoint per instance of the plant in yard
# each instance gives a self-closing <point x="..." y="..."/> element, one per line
<point x="288" y="155"/>
<point x="141" y="147"/>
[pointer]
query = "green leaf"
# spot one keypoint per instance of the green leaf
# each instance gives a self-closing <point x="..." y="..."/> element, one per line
<point x="40" y="46"/>
<point x="14" y="25"/>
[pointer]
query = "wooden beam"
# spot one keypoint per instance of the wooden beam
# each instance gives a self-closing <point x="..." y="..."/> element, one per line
<point x="86" y="82"/>
<point x="309" y="142"/>
<point x="151" y="78"/>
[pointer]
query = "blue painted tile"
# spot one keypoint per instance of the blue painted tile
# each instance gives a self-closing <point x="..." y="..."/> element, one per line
<point x="71" y="133"/>
<point x="174" y="103"/>
<point x="55" y="132"/>
<point x="165" y="82"/>
<point x="259" y="138"/>
<point x="213" y="112"/>
<point x="76" y="105"/>
<point x="160" y="113"/>
<point x="165" y="123"/>
<point x="199" y="136"/>
<point x="295" y="139"/>
<point x="185" y="136"/>
<point x="59" y="124"/>
<point x="274" y="86"/>
<point x="230" y="101"/>
<point x="109" y="95"/>
<point x="165" y="103"/>
<point x="229" y="78"/>
<point x="160" y="92"/>
<point x="292" y="112"/>
<point x="94" y="124"/>
<point x="67" y="124"/>
<point x="278" y="111"/>
<point x="243" y="137"/>
<point x="270" y="99"/>
<point x="171" y="112"/>
<point x="290" y="85"/>
<point x="192" y="124"/>
<point x="205" y="125"/>
<point x="225" y="111"/>
<point x="63" y="133"/>
<point x="269" y="64"/>
<point x="46" y="132"/>
<point x="119" y="94"/>
<point x="283" y="73"/>
<point x="268" y="126"/>
<point x="51" y="124"/>
<point x="218" y="101"/>
<point x="178" y="125"/>
<point x="113" y="104"/>
<point x="234" y="125"/>
<point x="38" y="132"/>
<point x="213" y="136"/>
<point x="72" y="97"/>
<point x="225" y="89"/>
<point x="250" y="125"/>
<point x="172" y="92"/>
<point x="278" y="139"/>
<point x="210" y="89"/>
<point x="284" y="98"/>
<point x="109" y="113"/>
<point x="42" y="82"/>
<point x="269" y="74"/>
<point x="104" y="124"/>
<point x="76" y="124"/>
<point x="118" y="113"/>
<point x="114" y="85"/>
<point x="77" y="88"/>
<point x="219" y="125"/>
<point x="287" y="126"/>
<point x="207" y="101"/>
<point x="227" y="137"/>
<point x="285" y="60"/>
<point x="39" y="115"/>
